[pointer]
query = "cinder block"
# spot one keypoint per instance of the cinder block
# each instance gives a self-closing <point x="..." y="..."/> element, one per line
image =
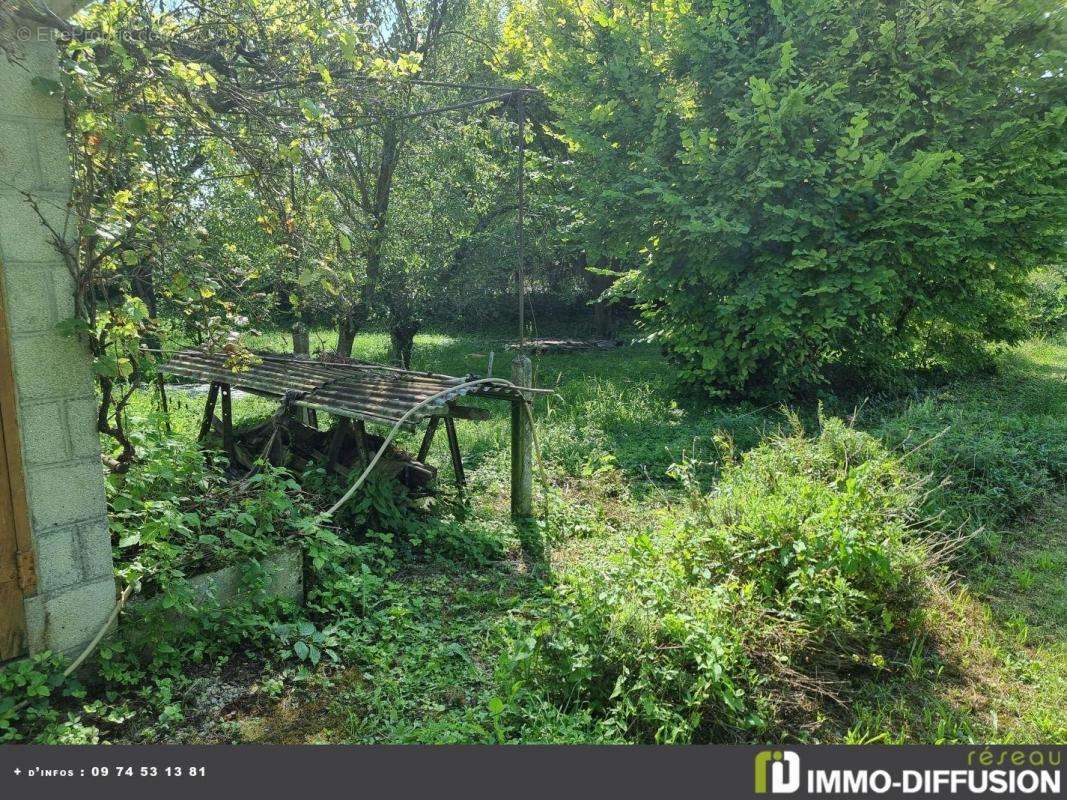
<point x="63" y="285"/>
<point x="23" y="237"/>
<point x="284" y="574"/>
<point x="18" y="156"/>
<point x="81" y="423"/>
<point x="94" y="541"/>
<point x="53" y="157"/>
<point x="49" y="365"/>
<point x="44" y="435"/>
<point x="73" y="617"/>
<point x="18" y="95"/>
<point x="58" y="561"/>
<point x="28" y="291"/>
<point x="65" y="494"/>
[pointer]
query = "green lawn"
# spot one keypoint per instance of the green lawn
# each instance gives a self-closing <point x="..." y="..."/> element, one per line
<point x="993" y="667"/>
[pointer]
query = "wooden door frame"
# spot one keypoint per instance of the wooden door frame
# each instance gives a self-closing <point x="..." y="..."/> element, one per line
<point x="13" y="501"/>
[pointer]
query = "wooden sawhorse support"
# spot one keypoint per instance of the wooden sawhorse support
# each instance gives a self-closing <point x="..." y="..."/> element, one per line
<point x="216" y="391"/>
<point x="453" y="447"/>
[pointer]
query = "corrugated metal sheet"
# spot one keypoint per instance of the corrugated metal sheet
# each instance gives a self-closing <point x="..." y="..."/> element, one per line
<point x="358" y="390"/>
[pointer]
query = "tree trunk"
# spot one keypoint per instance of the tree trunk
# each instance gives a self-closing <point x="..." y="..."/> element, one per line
<point x="402" y="339"/>
<point x="604" y="320"/>
<point x="301" y="340"/>
<point x="603" y="311"/>
<point x="348" y="326"/>
<point x="379" y="213"/>
<point x="346" y="337"/>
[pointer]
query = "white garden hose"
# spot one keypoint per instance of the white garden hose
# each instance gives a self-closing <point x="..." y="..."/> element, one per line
<point x="344" y="498"/>
<point x="396" y="427"/>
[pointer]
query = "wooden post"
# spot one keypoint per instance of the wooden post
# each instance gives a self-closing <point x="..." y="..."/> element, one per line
<point x="359" y="435"/>
<point x="164" y="406"/>
<point x="227" y="423"/>
<point x="302" y="349"/>
<point x="521" y="442"/>
<point x="340" y="431"/>
<point x="427" y="439"/>
<point x="457" y="457"/>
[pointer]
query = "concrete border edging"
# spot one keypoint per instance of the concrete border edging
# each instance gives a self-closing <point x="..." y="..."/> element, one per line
<point x="285" y="581"/>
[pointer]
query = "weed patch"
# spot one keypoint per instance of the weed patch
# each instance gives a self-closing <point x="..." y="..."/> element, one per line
<point x="745" y="605"/>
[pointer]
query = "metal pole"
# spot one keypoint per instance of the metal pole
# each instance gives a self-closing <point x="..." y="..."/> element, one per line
<point x="521" y="222"/>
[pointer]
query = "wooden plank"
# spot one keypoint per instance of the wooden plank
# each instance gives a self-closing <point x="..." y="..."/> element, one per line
<point x="227" y="422"/>
<point x="457" y="411"/>
<point x="18" y="577"/>
<point x="209" y="411"/>
<point x="427" y="440"/>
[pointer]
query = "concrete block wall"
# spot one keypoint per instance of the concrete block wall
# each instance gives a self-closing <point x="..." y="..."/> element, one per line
<point x="56" y="402"/>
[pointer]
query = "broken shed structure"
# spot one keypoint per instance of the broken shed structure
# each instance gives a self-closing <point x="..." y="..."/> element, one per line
<point x="356" y="392"/>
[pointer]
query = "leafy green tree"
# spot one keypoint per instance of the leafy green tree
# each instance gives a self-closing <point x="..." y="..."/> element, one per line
<point x="794" y="184"/>
<point x="382" y="274"/>
<point x="163" y="103"/>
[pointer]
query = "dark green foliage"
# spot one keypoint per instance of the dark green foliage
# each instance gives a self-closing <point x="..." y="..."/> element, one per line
<point x="1047" y="301"/>
<point x="29" y="691"/>
<point x="418" y="607"/>
<point x="176" y="513"/>
<point x="799" y="184"/>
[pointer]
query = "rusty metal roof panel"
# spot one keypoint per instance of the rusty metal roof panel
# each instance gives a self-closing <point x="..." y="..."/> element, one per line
<point x="355" y="389"/>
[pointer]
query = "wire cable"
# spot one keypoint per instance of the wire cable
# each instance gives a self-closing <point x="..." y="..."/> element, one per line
<point x="501" y="382"/>
<point x="396" y="427"/>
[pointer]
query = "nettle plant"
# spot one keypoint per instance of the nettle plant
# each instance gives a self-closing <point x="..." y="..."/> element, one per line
<point x="803" y="184"/>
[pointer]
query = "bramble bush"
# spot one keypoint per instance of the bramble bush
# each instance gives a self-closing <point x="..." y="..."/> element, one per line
<point x="795" y="185"/>
<point x="804" y="563"/>
<point x="177" y="513"/>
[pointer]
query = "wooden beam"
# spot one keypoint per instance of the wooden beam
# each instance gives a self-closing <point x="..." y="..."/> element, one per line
<point x="427" y="440"/>
<point x="462" y="412"/>
<point x="209" y="411"/>
<point x="521" y="442"/>
<point x="453" y="450"/>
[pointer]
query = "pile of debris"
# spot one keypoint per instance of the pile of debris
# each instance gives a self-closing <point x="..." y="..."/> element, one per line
<point x="345" y="450"/>
<point x="542" y="346"/>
